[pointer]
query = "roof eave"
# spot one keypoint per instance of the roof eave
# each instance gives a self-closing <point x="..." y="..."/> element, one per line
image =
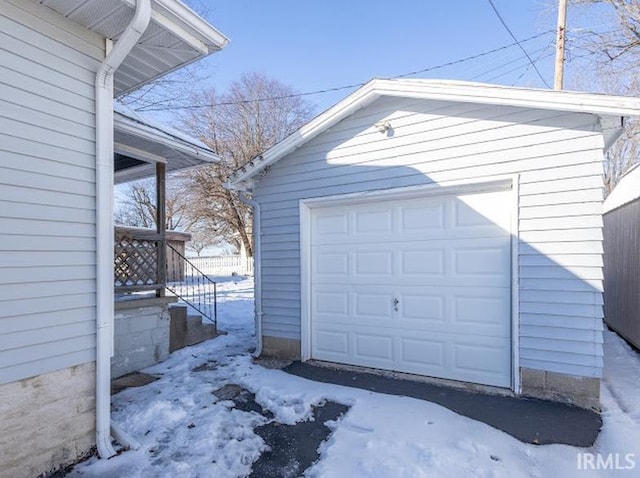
<point x="216" y="39"/>
<point x="186" y="24"/>
<point x="182" y="22"/>
<point x="457" y="91"/>
<point x="151" y="79"/>
<point x="359" y="99"/>
<point x="126" y="125"/>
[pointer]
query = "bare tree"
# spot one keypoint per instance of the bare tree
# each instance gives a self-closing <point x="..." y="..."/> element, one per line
<point x="201" y="238"/>
<point x="138" y="206"/>
<point x="624" y="154"/>
<point x="616" y="35"/>
<point x="610" y="51"/>
<point x="238" y="125"/>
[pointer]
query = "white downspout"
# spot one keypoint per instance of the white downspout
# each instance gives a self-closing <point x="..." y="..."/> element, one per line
<point x="104" y="220"/>
<point x="257" y="269"/>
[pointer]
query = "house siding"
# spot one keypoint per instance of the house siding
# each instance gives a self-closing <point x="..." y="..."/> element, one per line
<point x="558" y="157"/>
<point x="47" y="191"/>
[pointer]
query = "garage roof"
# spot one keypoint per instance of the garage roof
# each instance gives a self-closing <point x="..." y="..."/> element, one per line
<point x="176" y="36"/>
<point x="610" y="108"/>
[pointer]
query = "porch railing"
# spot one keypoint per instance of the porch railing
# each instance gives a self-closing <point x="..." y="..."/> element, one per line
<point x="196" y="288"/>
<point x="136" y="260"/>
<point x="145" y="261"/>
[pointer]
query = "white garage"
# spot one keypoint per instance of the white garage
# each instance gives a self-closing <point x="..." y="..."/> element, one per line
<point x="419" y="284"/>
<point x="440" y="228"/>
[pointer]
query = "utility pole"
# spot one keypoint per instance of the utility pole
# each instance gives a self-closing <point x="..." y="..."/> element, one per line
<point x="560" y="38"/>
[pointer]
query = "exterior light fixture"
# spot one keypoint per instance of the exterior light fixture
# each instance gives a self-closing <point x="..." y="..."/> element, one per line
<point x="382" y="126"/>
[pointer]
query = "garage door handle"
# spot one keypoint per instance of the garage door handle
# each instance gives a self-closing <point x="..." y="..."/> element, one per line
<point x="395" y="304"/>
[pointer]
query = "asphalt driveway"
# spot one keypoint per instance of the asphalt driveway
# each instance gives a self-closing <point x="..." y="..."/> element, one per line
<point x="529" y="420"/>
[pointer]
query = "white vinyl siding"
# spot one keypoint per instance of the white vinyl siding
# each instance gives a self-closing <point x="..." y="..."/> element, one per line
<point x="558" y="157"/>
<point x="47" y="191"/>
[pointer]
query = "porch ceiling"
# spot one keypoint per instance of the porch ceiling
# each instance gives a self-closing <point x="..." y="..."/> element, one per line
<point x="175" y="37"/>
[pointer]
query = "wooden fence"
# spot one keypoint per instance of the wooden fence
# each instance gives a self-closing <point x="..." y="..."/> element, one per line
<point x="622" y="270"/>
<point x="224" y="265"/>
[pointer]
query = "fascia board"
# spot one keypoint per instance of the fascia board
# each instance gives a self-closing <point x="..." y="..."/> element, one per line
<point x="454" y="91"/>
<point x="520" y="97"/>
<point x="185" y="24"/>
<point x="320" y="123"/>
<point x="152" y="135"/>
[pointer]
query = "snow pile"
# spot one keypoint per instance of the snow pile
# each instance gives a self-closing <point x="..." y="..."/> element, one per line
<point x="186" y="431"/>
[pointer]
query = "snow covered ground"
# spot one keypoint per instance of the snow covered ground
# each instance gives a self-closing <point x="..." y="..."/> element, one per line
<point x="186" y="431"/>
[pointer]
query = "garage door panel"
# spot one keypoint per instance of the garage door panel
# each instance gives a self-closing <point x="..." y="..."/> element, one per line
<point x="441" y="354"/>
<point x="372" y="222"/>
<point x="332" y="345"/>
<point x="373" y="347"/>
<point x="372" y="262"/>
<point x="412" y="236"/>
<point x="330" y="225"/>
<point x="483" y="311"/>
<point x="469" y="219"/>
<point x="423" y="353"/>
<point x="485" y="363"/>
<point x="478" y="211"/>
<point x="330" y="263"/>
<point x="334" y="303"/>
<point x="423" y="217"/>
<point x="422" y="306"/>
<point x="351" y="304"/>
<point x="447" y="326"/>
<point x="482" y="262"/>
<point x="422" y="261"/>
<point x="370" y="306"/>
<point x="416" y="285"/>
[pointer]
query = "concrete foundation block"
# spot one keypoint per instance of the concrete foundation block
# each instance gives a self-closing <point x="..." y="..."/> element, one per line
<point x="48" y="421"/>
<point x="535" y="379"/>
<point x="141" y="336"/>
<point x="580" y="391"/>
<point x="578" y="386"/>
<point x="146" y="320"/>
<point x="277" y="347"/>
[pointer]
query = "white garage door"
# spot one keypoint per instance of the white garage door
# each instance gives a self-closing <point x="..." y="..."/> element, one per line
<point x="417" y="285"/>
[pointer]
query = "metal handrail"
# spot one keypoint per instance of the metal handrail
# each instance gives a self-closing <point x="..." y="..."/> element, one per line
<point x="195" y="288"/>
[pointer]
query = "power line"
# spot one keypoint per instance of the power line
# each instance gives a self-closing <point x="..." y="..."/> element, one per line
<point x="534" y="61"/>
<point x="518" y="68"/>
<point x="510" y="62"/>
<point x="469" y="58"/>
<point x="504" y="24"/>
<point x="354" y="85"/>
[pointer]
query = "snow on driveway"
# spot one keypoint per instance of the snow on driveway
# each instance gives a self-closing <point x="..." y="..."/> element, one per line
<point x="186" y="431"/>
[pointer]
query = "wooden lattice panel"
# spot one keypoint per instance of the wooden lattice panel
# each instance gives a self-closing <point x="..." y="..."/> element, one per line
<point x="136" y="262"/>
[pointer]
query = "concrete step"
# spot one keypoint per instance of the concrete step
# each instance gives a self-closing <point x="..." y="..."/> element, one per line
<point x="177" y="327"/>
<point x="199" y="331"/>
<point x="187" y="329"/>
